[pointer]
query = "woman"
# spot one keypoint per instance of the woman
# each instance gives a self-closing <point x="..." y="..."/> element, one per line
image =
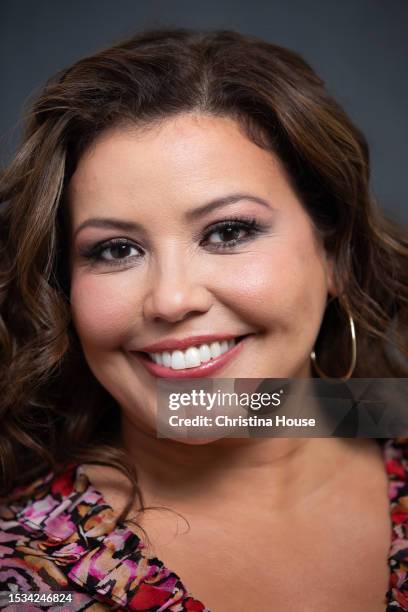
<point x="190" y="205"/>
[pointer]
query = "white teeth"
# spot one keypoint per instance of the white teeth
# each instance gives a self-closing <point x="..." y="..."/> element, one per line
<point x="193" y="356"/>
<point x="215" y="349"/>
<point x="205" y="353"/>
<point x="224" y="346"/>
<point x="167" y="359"/>
<point x="177" y="361"/>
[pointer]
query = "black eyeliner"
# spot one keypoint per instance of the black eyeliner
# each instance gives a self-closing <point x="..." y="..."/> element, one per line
<point x="239" y="222"/>
<point x="93" y="252"/>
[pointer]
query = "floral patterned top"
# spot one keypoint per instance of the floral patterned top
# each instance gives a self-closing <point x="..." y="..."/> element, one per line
<point x="59" y="534"/>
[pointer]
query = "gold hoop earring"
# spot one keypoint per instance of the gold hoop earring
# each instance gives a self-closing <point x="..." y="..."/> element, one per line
<point x="353" y="355"/>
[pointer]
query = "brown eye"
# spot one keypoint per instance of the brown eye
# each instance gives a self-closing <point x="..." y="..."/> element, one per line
<point x="226" y="234"/>
<point x="118" y="251"/>
<point x="229" y="233"/>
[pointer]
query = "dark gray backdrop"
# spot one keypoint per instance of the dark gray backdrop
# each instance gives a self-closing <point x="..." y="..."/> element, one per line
<point x="360" y="47"/>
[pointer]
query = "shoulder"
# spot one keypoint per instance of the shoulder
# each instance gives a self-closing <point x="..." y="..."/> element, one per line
<point x="35" y="524"/>
<point x="33" y="507"/>
<point x="31" y="503"/>
<point x="395" y="451"/>
<point x="396" y="464"/>
<point x="60" y="534"/>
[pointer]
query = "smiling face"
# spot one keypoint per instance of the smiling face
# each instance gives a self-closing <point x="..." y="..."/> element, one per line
<point x="206" y="240"/>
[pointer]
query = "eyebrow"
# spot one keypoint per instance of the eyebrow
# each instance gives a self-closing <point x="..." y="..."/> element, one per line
<point x="200" y="211"/>
<point x="191" y="215"/>
<point x="109" y="223"/>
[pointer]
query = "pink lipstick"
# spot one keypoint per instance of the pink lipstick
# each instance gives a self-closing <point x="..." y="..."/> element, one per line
<point x="208" y="368"/>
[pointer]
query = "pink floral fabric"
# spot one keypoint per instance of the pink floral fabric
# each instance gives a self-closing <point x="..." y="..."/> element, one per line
<point x="59" y="534"/>
<point x="396" y="464"/>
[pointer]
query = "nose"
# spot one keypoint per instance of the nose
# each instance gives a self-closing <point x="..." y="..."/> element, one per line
<point x="175" y="291"/>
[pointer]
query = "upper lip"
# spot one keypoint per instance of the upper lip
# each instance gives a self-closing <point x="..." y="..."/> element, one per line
<point x="172" y="344"/>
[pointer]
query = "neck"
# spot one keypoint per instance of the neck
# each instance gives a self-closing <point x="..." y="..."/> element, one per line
<point x="227" y="470"/>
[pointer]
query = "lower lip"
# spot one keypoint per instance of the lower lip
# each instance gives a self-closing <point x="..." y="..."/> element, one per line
<point x="205" y="369"/>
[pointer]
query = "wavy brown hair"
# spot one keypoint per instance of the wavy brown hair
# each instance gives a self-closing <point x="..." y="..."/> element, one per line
<point x="53" y="410"/>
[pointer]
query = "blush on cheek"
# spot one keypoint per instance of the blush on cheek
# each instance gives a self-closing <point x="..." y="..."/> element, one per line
<point x="279" y="289"/>
<point x="261" y="289"/>
<point x="101" y="313"/>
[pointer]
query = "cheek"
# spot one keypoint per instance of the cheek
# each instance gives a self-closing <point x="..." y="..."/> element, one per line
<point x="282" y="287"/>
<point x="101" y="308"/>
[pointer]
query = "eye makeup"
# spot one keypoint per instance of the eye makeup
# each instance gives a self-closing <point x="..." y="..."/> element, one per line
<point x="232" y="233"/>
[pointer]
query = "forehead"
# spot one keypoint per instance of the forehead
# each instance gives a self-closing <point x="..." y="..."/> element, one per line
<point x="178" y="162"/>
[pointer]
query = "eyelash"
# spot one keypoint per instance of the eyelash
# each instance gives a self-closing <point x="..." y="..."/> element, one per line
<point x="249" y="224"/>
